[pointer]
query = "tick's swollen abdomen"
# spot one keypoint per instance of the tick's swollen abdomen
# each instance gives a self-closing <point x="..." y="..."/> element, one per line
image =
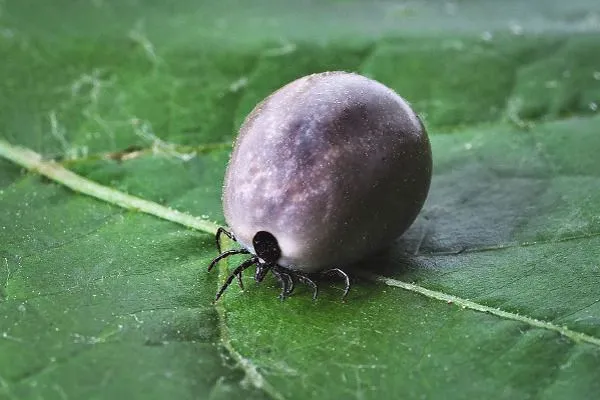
<point x="334" y="165"/>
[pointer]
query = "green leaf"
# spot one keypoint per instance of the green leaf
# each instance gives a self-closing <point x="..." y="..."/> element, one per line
<point x="493" y="293"/>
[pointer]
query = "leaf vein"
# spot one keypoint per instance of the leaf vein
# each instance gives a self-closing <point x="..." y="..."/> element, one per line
<point x="33" y="161"/>
<point x="506" y="246"/>
<point x="569" y="333"/>
<point x="253" y="376"/>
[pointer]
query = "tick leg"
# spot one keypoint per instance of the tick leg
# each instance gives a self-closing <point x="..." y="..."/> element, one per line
<point x="223" y="231"/>
<point x="245" y="265"/>
<point x="290" y="282"/>
<point x="306" y="280"/>
<point x="240" y="283"/>
<point x="286" y="274"/>
<point x="344" y="276"/>
<point x="226" y="254"/>
<point x="284" y="282"/>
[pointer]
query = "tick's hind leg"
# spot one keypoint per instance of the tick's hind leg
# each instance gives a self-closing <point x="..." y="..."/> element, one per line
<point x="223" y="231"/>
<point x="343" y="275"/>
<point x="304" y="278"/>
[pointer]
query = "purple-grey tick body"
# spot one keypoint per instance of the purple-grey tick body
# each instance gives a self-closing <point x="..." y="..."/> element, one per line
<point x="326" y="171"/>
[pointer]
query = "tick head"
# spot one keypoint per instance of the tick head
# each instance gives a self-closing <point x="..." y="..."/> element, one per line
<point x="266" y="247"/>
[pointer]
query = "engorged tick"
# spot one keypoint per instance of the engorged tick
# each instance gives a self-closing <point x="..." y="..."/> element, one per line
<point x="326" y="171"/>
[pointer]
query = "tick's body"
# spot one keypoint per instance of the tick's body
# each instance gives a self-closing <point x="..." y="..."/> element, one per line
<point x="335" y="166"/>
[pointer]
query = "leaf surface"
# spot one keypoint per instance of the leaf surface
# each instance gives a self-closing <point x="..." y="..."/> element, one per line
<point x="99" y="302"/>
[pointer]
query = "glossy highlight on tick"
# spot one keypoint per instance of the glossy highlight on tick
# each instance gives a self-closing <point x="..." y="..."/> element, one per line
<point x="325" y="172"/>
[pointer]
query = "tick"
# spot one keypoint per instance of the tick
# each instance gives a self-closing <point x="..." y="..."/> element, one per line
<point x="325" y="172"/>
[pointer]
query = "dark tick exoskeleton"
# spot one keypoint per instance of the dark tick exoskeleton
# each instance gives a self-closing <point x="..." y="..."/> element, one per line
<point x="326" y="171"/>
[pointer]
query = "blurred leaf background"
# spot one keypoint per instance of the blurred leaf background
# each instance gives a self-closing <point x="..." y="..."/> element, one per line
<point x="146" y="97"/>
